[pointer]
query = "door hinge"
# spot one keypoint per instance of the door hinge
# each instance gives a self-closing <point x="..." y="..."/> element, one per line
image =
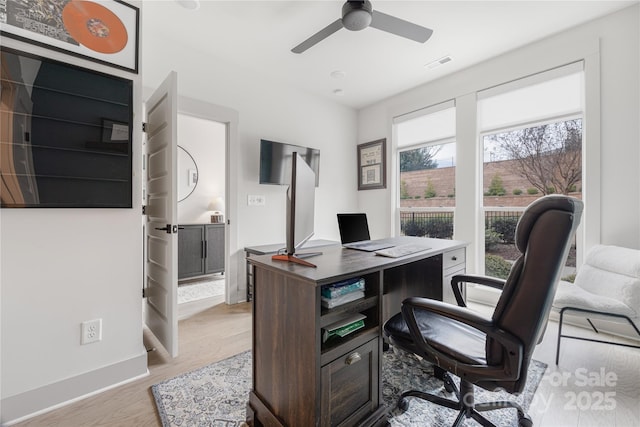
<point x="144" y="127"/>
<point x="144" y="294"/>
<point x="144" y="209"/>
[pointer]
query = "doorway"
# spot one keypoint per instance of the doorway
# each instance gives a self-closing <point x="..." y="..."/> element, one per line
<point x="164" y="326"/>
<point x="201" y="174"/>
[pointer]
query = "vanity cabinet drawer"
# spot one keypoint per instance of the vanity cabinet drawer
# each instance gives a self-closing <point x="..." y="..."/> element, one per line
<point x="453" y="263"/>
<point x="453" y="258"/>
<point x="350" y="386"/>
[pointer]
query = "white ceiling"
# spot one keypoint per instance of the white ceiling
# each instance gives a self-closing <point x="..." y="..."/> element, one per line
<point x="258" y="36"/>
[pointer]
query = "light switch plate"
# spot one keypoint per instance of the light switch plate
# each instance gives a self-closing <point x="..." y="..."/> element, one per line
<point x="256" y="200"/>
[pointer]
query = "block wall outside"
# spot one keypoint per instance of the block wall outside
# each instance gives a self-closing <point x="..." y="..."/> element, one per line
<point x="442" y="182"/>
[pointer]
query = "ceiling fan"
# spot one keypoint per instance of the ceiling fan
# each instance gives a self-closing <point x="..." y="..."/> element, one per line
<point x="358" y="15"/>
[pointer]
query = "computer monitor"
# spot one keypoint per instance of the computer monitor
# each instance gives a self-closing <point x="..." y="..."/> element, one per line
<point x="300" y="211"/>
<point x="353" y="227"/>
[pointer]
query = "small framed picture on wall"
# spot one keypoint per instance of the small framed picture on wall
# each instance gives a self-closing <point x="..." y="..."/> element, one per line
<point x="372" y="169"/>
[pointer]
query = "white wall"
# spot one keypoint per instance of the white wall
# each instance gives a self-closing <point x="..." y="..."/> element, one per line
<point x="271" y="110"/>
<point x="610" y="46"/>
<point x="205" y="141"/>
<point x="60" y="267"/>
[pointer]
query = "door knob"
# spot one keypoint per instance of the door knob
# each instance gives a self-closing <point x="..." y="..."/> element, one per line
<point x="169" y="228"/>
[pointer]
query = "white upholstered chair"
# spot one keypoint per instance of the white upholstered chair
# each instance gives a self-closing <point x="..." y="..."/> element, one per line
<point x="606" y="287"/>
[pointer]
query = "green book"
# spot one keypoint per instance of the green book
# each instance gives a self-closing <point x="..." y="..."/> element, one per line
<point x="344" y="327"/>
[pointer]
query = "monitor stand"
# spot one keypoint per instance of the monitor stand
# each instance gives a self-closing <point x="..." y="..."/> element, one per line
<point x="297" y="258"/>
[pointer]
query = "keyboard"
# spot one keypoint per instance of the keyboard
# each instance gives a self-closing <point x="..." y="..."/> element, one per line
<point x="368" y="245"/>
<point x="402" y="250"/>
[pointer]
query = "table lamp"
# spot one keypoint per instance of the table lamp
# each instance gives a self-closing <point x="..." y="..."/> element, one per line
<point x="217" y="208"/>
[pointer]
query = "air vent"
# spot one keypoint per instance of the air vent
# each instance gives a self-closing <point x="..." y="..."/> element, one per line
<point x="438" y="62"/>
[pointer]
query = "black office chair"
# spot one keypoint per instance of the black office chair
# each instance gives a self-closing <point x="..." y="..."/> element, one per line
<point x="492" y="353"/>
<point x="353" y="227"/>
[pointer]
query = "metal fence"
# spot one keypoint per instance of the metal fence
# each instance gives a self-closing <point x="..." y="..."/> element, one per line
<point x="437" y="224"/>
<point x="440" y="223"/>
<point x="500" y="227"/>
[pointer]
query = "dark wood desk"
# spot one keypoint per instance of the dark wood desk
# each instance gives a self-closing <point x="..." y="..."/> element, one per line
<point x="299" y="380"/>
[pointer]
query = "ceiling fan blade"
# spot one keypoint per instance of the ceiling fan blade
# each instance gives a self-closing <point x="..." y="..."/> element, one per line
<point x="318" y="37"/>
<point x="400" y="27"/>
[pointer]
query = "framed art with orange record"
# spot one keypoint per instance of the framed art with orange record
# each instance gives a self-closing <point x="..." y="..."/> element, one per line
<point x="105" y="31"/>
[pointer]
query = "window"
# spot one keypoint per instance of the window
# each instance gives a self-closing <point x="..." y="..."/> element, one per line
<point x="426" y="160"/>
<point x="531" y="140"/>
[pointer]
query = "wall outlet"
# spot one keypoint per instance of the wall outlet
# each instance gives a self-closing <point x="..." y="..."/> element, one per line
<point x="91" y="331"/>
<point x="256" y="200"/>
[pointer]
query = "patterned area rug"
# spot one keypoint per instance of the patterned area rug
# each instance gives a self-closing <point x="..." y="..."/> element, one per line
<point x="216" y="395"/>
<point x="194" y="291"/>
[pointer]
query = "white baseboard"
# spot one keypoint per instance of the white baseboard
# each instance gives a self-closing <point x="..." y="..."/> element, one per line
<point x="53" y="396"/>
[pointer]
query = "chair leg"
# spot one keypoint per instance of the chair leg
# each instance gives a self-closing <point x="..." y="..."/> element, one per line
<point x="442" y="401"/>
<point x="559" y="335"/>
<point x="459" y="419"/>
<point x="502" y="404"/>
<point x="583" y="311"/>
<point x="480" y="419"/>
<point x="465" y="404"/>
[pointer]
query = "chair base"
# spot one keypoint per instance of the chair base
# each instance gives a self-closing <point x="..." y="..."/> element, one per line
<point x="465" y="403"/>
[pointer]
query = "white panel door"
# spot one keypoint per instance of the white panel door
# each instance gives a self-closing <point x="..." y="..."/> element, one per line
<point x="161" y="289"/>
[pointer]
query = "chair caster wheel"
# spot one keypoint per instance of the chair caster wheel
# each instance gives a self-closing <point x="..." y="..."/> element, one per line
<point x="403" y="404"/>
<point x="449" y="387"/>
<point x="525" y="421"/>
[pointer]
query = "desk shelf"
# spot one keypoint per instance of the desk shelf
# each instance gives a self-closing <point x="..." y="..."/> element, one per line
<point x="331" y="315"/>
<point x="368" y="306"/>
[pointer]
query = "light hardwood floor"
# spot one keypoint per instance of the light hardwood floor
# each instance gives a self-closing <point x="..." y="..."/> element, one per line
<point x="212" y="334"/>
<point x="209" y="335"/>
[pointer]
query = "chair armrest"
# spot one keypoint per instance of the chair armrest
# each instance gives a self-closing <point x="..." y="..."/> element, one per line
<point x="493" y="282"/>
<point x="510" y="370"/>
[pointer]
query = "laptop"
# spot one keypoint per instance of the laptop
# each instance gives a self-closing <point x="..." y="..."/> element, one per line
<point x="354" y="233"/>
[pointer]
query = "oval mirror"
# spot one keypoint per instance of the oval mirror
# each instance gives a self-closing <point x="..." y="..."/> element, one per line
<point x="187" y="174"/>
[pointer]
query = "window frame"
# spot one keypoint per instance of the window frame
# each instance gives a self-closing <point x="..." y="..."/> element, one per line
<point x="469" y="226"/>
<point x="483" y="208"/>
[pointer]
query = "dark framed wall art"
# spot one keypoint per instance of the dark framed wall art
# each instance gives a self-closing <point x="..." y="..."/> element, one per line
<point x="372" y="165"/>
<point x="104" y="31"/>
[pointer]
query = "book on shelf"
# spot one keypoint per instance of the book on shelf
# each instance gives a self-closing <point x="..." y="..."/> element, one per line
<point x="342" y="288"/>
<point x="342" y="299"/>
<point x="343" y="327"/>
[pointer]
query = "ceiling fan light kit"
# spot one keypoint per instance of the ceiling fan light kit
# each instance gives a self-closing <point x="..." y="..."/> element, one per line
<point x="358" y="15"/>
<point x="189" y="4"/>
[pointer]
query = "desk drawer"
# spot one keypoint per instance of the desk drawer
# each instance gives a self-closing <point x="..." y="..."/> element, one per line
<point x="350" y="387"/>
<point x="453" y="258"/>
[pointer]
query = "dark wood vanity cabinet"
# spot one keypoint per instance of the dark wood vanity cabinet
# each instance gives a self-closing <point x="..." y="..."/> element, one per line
<point x="200" y="250"/>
